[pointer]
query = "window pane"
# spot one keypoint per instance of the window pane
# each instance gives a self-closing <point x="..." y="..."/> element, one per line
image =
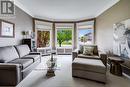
<point x="43" y="38"/>
<point x="64" y="37"/>
<point x="85" y="36"/>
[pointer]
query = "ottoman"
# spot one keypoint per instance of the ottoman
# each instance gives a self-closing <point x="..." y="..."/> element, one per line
<point x="89" y="69"/>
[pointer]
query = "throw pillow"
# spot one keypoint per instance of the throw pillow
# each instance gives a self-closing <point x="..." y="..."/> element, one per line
<point x="88" y="50"/>
<point x="81" y="49"/>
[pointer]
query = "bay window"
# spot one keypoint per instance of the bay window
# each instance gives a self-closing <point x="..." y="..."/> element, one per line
<point x="43" y="32"/>
<point x="43" y="38"/>
<point x="85" y="32"/>
<point x="64" y="35"/>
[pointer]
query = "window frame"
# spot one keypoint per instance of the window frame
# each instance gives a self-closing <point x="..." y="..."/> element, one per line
<point x="93" y="33"/>
<point x="43" y="26"/>
<point x="57" y="28"/>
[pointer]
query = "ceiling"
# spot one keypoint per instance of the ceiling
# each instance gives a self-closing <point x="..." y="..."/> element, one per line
<point x="65" y="10"/>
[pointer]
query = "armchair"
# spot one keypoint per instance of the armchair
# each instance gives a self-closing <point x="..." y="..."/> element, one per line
<point x="97" y="54"/>
<point x="90" y="66"/>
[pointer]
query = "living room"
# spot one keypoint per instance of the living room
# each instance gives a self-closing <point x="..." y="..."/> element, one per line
<point x="64" y="43"/>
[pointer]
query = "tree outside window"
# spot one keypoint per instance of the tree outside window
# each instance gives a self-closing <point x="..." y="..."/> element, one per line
<point x="64" y="37"/>
<point x="43" y="38"/>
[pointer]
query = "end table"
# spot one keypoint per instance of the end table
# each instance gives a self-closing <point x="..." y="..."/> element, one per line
<point x="115" y="65"/>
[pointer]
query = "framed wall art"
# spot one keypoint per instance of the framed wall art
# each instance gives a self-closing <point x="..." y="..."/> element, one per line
<point x="7" y="29"/>
<point x="121" y="44"/>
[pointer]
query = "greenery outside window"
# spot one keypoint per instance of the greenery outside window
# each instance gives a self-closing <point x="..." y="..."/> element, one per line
<point x="64" y="37"/>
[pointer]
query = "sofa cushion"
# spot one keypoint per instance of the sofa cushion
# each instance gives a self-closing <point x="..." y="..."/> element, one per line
<point x="81" y="49"/>
<point x="88" y="50"/>
<point x="89" y="65"/>
<point x="34" y="57"/>
<point x="23" y="62"/>
<point x="23" y="50"/>
<point x="8" y="53"/>
<point x="88" y="57"/>
<point x="95" y="50"/>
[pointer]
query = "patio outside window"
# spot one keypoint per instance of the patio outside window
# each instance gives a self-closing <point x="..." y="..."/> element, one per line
<point x="86" y="33"/>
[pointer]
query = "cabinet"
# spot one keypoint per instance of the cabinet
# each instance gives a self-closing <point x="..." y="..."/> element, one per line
<point x="31" y="43"/>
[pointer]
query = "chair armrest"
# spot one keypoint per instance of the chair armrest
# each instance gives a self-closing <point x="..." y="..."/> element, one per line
<point x="103" y="57"/>
<point x="35" y="53"/>
<point x="9" y="74"/>
<point x="76" y="50"/>
<point x="75" y="54"/>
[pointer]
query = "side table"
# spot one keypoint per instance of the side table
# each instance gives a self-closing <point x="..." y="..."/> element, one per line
<point x="115" y="65"/>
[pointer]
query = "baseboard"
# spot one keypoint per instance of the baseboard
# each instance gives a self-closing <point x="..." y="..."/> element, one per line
<point x="126" y="75"/>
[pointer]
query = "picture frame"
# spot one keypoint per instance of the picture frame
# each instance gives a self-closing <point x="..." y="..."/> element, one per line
<point x="121" y="36"/>
<point x="7" y="29"/>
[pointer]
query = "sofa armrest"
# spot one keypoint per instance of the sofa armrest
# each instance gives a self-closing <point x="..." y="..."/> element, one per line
<point x="35" y="53"/>
<point x="75" y="54"/>
<point x="9" y="74"/>
<point x="103" y="57"/>
<point x="76" y="50"/>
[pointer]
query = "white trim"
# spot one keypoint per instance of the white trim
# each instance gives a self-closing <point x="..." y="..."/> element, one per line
<point x="41" y="25"/>
<point x="126" y="75"/>
<point x="38" y="22"/>
<point x="43" y="48"/>
<point x="17" y="3"/>
<point x="109" y="5"/>
<point x="64" y="50"/>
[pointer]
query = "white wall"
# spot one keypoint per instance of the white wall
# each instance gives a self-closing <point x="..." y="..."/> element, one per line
<point x="104" y="23"/>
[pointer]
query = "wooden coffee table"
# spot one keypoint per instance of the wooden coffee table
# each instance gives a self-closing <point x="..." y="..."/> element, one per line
<point x="115" y="65"/>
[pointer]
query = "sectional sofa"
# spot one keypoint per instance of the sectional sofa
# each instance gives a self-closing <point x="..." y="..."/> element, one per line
<point x="16" y="62"/>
